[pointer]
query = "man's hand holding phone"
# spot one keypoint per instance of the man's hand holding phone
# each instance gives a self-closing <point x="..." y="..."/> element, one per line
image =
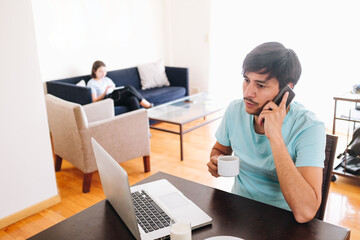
<point x="272" y="116"/>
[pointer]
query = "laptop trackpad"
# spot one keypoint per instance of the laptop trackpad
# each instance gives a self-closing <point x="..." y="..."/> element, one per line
<point x="173" y="200"/>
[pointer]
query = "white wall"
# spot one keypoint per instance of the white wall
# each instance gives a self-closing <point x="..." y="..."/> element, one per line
<point x="188" y="31"/>
<point x="26" y="166"/>
<point x="321" y="33"/>
<point x="45" y="40"/>
<point x="71" y="35"/>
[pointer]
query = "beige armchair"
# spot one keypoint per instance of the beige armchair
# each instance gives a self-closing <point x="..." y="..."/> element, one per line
<point x="125" y="136"/>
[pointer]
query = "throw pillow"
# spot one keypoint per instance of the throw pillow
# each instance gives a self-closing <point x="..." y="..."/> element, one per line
<point x="81" y="83"/>
<point x="153" y="75"/>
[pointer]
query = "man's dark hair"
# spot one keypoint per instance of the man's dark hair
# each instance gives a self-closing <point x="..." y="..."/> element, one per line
<point x="274" y="59"/>
<point x="97" y="64"/>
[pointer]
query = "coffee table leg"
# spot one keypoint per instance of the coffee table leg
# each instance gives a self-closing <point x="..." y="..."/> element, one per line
<point x="181" y="142"/>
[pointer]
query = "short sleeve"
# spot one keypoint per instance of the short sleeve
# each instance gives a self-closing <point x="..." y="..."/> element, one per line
<point x="110" y="82"/>
<point x="310" y="147"/>
<point x="222" y="133"/>
<point x="90" y="84"/>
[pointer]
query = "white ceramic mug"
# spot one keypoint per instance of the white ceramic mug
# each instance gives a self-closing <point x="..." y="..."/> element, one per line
<point x="228" y="166"/>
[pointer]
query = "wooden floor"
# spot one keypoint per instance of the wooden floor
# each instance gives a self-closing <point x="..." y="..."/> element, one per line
<point x="343" y="204"/>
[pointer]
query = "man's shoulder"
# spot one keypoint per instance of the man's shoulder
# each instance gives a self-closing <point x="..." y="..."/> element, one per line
<point x="302" y="114"/>
<point x="236" y="112"/>
<point x="236" y="104"/>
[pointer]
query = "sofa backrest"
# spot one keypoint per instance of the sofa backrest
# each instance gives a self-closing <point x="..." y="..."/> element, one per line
<point x="123" y="77"/>
<point x="74" y="80"/>
<point x="68" y="90"/>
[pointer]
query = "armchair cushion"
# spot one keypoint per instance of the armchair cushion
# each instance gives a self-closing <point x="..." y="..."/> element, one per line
<point x="129" y="130"/>
<point x="99" y="110"/>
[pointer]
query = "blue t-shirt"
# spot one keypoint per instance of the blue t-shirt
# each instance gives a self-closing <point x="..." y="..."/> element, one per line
<point x="303" y="134"/>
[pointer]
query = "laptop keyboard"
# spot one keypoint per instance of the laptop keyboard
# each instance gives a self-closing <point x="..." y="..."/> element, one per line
<point x="148" y="214"/>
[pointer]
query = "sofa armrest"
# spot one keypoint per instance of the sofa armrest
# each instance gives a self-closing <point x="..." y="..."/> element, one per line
<point x="178" y="77"/>
<point x="100" y="110"/>
<point x="70" y="92"/>
<point x="125" y="136"/>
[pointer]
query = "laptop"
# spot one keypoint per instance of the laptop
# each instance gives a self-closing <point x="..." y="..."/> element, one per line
<point x="161" y="197"/>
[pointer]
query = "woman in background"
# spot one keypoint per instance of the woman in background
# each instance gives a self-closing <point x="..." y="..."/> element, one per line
<point x="103" y="87"/>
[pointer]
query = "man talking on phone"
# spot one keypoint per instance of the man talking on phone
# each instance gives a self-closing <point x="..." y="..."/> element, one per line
<point x="281" y="148"/>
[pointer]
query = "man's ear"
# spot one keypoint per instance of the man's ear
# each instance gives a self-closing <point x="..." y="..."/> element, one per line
<point x="291" y="85"/>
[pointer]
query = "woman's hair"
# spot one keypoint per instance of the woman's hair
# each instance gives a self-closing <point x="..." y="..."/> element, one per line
<point x="97" y="64"/>
<point x="274" y="59"/>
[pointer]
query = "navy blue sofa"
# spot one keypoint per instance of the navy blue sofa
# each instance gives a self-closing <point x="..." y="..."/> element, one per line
<point x="178" y="77"/>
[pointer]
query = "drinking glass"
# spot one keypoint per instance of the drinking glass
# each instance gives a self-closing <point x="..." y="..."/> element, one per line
<point x="180" y="228"/>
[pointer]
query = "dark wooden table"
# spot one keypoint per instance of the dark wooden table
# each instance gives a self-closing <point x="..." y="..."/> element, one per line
<point x="232" y="216"/>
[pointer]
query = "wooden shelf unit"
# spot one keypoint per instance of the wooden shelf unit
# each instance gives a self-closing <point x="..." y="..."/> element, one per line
<point x="348" y="97"/>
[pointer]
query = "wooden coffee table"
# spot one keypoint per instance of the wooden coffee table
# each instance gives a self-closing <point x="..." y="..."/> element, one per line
<point x="183" y="111"/>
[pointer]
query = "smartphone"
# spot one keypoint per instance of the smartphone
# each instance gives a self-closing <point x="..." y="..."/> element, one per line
<point x="277" y="100"/>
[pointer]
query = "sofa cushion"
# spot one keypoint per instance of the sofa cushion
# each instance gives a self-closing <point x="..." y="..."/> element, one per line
<point x="153" y="75"/>
<point x="163" y="94"/>
<point x="121" y="109"/>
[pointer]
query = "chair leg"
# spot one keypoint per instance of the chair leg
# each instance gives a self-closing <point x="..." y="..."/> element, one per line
<point x="87" y="182"/>
<point x="146" y="163"/>
<point x="58" y="162"/>
<point x="57" y="159"/>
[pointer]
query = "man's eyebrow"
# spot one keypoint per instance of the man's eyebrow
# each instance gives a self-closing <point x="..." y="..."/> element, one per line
<point x="262" y="81"/>
<point x="258" y="81"/>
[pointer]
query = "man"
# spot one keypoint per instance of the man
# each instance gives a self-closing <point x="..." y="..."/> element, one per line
<point x="281" y="150"/>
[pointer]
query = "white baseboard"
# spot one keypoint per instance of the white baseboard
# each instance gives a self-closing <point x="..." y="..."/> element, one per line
<point x="6" y="221"/>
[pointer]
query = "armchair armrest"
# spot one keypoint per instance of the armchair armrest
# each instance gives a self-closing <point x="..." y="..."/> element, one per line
<point x="178" y="77"/>
<point x="125" y="136"/>
<point x="100" y="110"/>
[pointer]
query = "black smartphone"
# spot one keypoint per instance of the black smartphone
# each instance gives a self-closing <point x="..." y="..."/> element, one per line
<point x="277" y="100"/>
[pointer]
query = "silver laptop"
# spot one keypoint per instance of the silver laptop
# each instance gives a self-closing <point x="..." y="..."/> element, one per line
<point x="161" y="197"/>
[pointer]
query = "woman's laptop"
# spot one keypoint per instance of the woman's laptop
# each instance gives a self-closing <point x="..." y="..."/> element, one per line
<point x="134" y="204"/>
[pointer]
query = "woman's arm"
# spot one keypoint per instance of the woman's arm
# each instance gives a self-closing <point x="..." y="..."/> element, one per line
<point x="96" y="98"/>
